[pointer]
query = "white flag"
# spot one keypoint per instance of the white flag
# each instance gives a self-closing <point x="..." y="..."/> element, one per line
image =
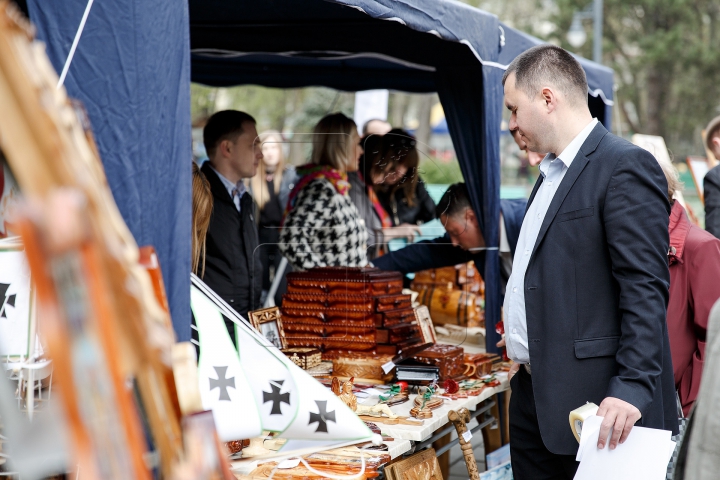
<point x="283" y="397"/>
<point x="272" y="384"/>
<point x="223" y="386"/>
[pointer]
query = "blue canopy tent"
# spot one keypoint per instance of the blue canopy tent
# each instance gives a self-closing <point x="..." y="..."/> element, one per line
<point x="439" y="46"/>
<point x="131" y="69"/>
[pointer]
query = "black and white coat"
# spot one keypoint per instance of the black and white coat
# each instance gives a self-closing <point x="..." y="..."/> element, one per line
<point x="323" y="229"/>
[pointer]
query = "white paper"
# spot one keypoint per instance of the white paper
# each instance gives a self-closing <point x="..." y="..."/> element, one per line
<point x="644" y="455"/>
<point x="387" y="368"/>
<point x="467" y="436"/>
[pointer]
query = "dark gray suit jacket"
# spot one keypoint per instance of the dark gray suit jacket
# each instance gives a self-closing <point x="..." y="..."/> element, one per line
<point x="711" y="189"/>
<point x="596" y="291"/>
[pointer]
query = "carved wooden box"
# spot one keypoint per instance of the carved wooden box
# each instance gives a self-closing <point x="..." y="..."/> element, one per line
<point x="448" y="358"/>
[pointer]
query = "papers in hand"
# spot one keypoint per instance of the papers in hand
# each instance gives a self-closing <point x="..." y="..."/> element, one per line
<point x="644" y="455"/>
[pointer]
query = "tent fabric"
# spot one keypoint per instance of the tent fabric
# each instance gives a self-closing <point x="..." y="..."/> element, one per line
<point x="132" y="71"/>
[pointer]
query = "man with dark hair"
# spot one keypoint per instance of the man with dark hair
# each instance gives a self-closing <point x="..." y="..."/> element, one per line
<point x="232" y="266"/>
<point x="463" y="230"/>
<point x="586" y="302"/>
<point x="711" y="183"/>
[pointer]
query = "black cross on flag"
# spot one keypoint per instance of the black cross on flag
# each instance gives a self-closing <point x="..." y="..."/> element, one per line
<point x="222" y="383"/>
<point x="322" y="417"/>
<point x="6" y="299"/>
<point x="276" y="397"/>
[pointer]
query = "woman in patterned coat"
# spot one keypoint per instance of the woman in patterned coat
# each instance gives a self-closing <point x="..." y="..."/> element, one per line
<point x="322" y="227"/>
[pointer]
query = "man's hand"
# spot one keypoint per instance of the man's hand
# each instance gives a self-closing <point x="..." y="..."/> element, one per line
<point x="620" y="417"/>
<point x="514" y="368"/>
<point x="501" y="343"/>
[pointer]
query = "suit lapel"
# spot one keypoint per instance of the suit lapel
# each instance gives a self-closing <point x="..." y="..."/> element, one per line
<point x="576" y="168"/>
<point x="534" y="192"/>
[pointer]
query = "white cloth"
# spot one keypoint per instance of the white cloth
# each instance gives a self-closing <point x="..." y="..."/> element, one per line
<point x="236" y="190"/>
<point x="553" y="170"/>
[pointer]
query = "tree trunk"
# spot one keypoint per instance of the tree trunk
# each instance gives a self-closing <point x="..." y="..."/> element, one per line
<point x="422" y="134"/>
<point x="657" y="88"/>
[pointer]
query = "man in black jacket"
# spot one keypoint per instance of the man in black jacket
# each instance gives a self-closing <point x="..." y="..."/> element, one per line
<point x="463" y="242"/>
<point x="232" y="265"/>
<point x="586" y="302"/>
<point x="711" y="183"/>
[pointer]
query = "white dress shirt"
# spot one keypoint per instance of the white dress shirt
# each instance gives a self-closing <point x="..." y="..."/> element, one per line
<point x="553" y="170"/>
<point x="236" y="190"/>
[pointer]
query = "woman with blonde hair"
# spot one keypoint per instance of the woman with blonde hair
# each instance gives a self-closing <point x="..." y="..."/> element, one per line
<point x="271" y="189"/>
<point x="322" y="227"/>
<point x="202" y="205"/>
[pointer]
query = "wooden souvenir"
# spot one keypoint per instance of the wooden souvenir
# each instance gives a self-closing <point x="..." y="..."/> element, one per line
<point x="425" y="324"/>
<point x="348" y="398"/>
<point x="459" y="419"/>
<point x="436" y="276"/>
<point x="397" y="333"/>
<point x="432" y="403"/>
<point x="268" y="322"/>
<point x="394" y="317"/>
<point x="421" y="466"/>
<point x="362" y="367"/>
<point x="448" y="359"/>
<point x="305" y="358"/>
<point x="335" y="340"/>
<point x="479" y="364"/>
<point x="399" y="347"/>
<point x="322" y="302"/>
<point x="298" y="317"/>
<point x="345" y="280"/>
<point x="456" y="307"/>
<point x="469" y="279"/>
<point x="84" y="260"/>
<point x="328" y="330"/>
<point x="206" y="456"/>
<point x="392" y="302"/>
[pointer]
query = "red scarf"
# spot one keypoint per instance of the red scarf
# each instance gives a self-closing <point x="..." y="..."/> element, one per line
<point x="310" y="172"/>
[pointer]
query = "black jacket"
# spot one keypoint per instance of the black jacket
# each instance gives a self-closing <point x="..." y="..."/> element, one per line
<point x="396" y="205"/>
<point x="711" y="192"/>
<point x="596" y="291"/>
<point x="440" y="252"/>
<point x="232" y="266"/>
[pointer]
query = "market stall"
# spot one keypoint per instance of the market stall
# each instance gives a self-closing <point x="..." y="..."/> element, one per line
<point x="432" y="46"/>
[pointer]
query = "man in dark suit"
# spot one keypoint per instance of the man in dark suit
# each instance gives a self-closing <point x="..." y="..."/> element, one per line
<point x="711" y="182"/>
<point x="232" y="265"/>
<point x="586" y="302"/>
<point x="463" y="241"/>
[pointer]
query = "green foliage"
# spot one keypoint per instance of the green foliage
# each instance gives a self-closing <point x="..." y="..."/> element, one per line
<point x="666" y="55"/>
<point x="436" y="171"/>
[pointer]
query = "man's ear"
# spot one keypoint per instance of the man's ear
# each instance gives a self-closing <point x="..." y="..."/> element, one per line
<point x="716" y="146"/>
<point x="470" y="216"/>
<point x="548" y="96"/>
<point x="225" y="148"/>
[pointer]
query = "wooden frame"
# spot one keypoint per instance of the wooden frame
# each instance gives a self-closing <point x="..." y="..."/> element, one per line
<point x="427" y="329"/>
<point x="699" y="166"/>
<point x="263" y="320"/>
<point x="423" y="465"/>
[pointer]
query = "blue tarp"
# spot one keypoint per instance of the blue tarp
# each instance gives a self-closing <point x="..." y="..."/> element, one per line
<point x="438" y="46"/>
<point x="132" y="71"/>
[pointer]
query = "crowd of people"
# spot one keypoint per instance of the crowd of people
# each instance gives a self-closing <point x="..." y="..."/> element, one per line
<point x="608" y="287"/>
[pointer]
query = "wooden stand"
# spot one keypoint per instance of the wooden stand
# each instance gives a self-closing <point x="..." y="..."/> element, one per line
<point x="460" y="419"/>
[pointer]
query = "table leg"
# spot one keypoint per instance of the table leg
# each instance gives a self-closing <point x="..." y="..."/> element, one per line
<point x="491" y="436"/>
<point x="444" y="459"/>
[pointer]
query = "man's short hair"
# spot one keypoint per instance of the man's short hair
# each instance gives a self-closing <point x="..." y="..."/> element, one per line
<point x="454" y="201"/>
<point x="224" y="125"/>
<point x="548" y="64"/>
<point x="711" y="131"/>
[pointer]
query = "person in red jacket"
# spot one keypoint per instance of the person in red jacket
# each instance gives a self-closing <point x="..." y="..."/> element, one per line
<point x="694" y="259"/>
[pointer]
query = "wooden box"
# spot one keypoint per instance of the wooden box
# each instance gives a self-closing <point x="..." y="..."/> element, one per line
<point x="305" y="358"/>
<point x="345" y="281"/>
<point x="448" y="358"/>
<point x="362" y="367"/>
